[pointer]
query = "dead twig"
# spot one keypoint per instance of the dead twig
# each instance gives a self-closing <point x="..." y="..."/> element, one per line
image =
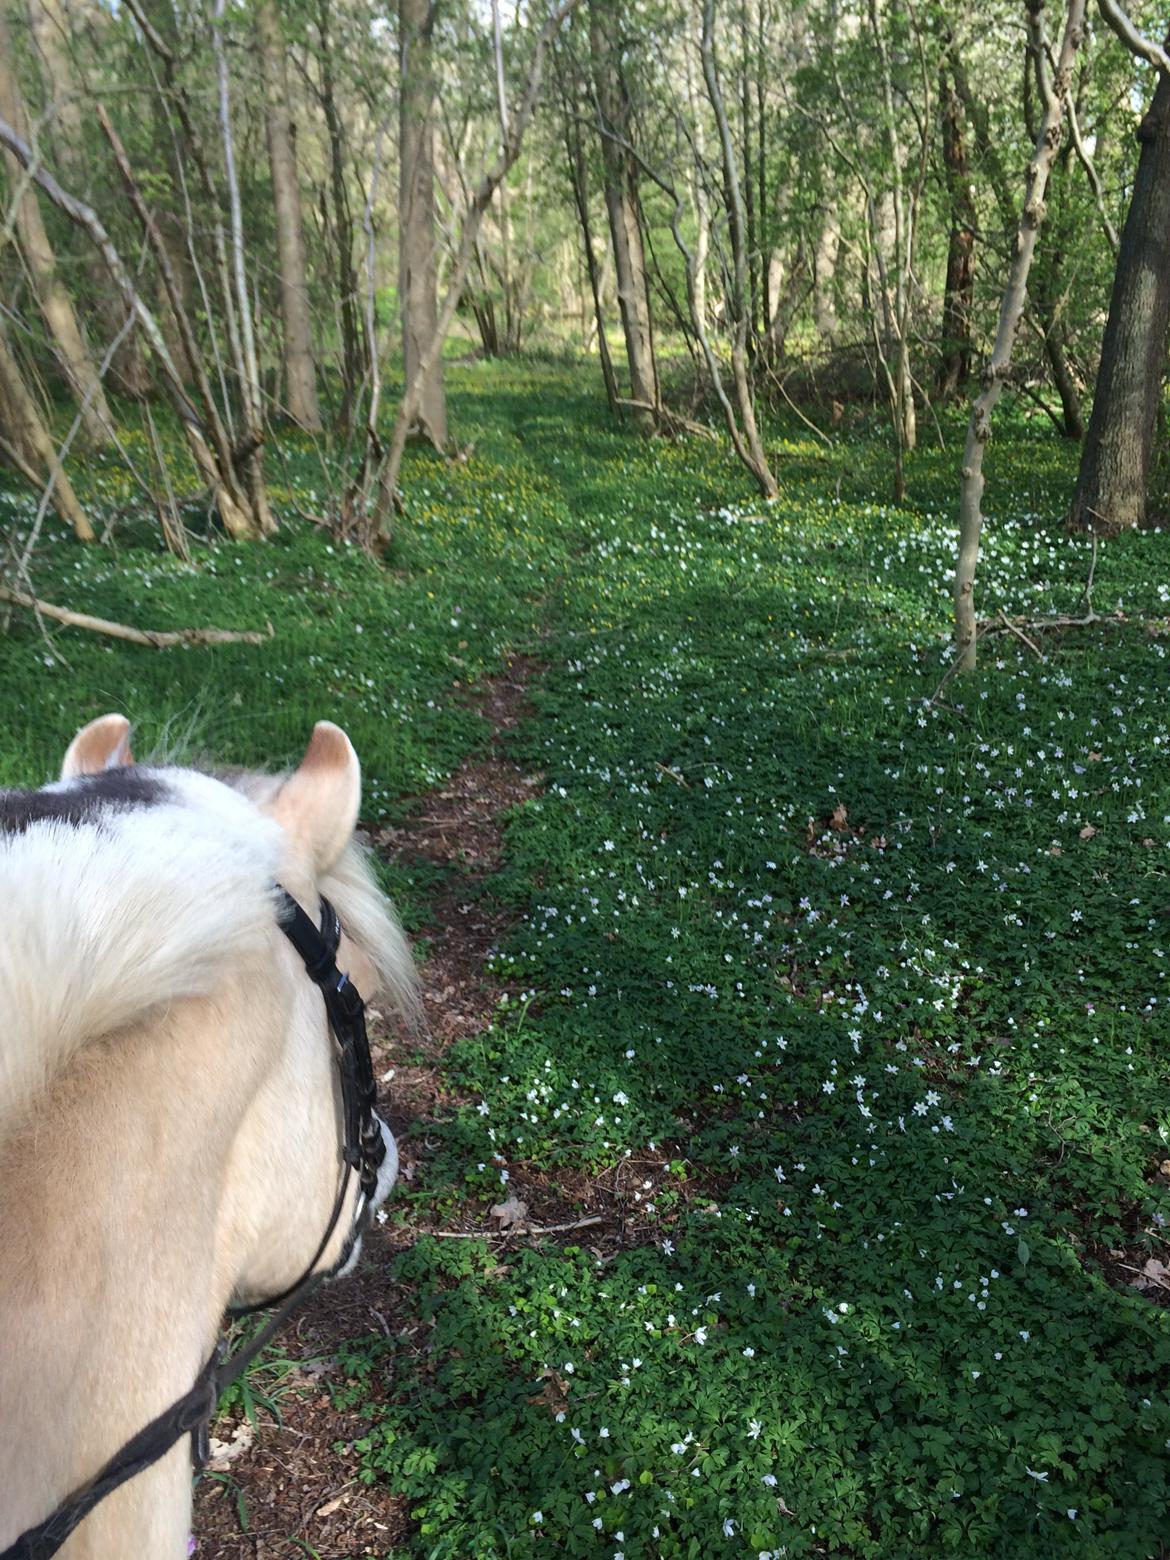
<point x="155" y="639"/>
<point x="521" y="1229"/>
<point x="1015" y="629"/>
<point x="674" y="775"/>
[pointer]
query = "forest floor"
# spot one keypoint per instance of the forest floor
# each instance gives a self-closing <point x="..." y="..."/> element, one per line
<point x="787" y="1166"/>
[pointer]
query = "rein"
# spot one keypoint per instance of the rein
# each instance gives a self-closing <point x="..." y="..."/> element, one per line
<point x="363" y="1150"/>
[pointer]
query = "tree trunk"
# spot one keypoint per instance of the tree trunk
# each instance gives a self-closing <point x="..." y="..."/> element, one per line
<point x="825" y="257"/>
<point x="954" y="368"/>
<point x="30" y="448"/>
<point x="52" y="298"/>
<point x="1043" y="290"/>
<point x="738" y="300"/>
<point x="1011" y="312"/>
<point x="575" y="153"/>
<point x="128" y="372"/>
<point x="390" y="463"/>
<point x="697" y="182"/>
<point x="249" y="461"/>
<point x="1115" y="464"/>
<point x="346" y="290"/>
<point x="299" y="367"/>
<point x="417" y="267"/>
<point x="621" y="204"/>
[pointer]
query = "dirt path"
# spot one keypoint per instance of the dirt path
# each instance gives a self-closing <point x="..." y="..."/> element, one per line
<point x="287" y="1491"/>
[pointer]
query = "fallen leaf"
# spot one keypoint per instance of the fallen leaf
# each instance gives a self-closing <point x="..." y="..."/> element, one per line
<point x="509" y="1213"/>
<point x="554" y="1395"/>
<point x="331" y="1506"/>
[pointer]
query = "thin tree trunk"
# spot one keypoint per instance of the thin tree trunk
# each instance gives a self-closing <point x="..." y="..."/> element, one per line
<point x="754" y="309"/>
<point x="299" y="366"/>
<point x="621" y="204"/>
<point x="1011" y="312"/>
<point x="1113" y="481"/>
<point x="698" y="185"/>
<point x="1043" y="292"/>
<point x="408" y="409"/>
<point x="31" y="446"/>
<point x="954" y="368"/>
<point x="764" y="225"/>
<point x="896" y="301"/>
<point x="249" y="461"/>
<point x="52" y="299"/>
<point x="417" y="262"/>
<point x="128" y="372"/>
<point x="575" y="153"/>
<point x="825" y="258"/>
<point x="738" y="301"/>
<point x="343" y="232"/>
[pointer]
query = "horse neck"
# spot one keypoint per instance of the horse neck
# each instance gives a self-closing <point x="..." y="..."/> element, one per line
<point x="115" y="1273"/>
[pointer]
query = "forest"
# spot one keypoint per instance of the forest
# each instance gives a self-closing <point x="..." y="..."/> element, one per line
<point x="711" y="457"/>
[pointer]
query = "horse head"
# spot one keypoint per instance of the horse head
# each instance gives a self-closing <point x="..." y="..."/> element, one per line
<point x="176" y="1134"/>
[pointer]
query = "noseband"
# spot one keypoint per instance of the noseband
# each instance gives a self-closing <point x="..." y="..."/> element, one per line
<point x="363" y="1150"/>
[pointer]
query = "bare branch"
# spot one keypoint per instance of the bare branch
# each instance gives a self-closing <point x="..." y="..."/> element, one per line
<point x="1144" y="48"/>
<point x="154" y="639"/>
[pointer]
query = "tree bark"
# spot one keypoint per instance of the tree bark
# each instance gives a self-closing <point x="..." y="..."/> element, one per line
<point x="622" y="208"/>
<point x="52" y="299"/>
<point x="299" y="367"/>
<point x="954" y="368"/>
<point x="417" y="265"/>
<point x="1011" y="312"/>
<point x="1112" y="484"/>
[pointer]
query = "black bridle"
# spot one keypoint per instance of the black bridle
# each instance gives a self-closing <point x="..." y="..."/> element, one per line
<point x="363" y="1150"/>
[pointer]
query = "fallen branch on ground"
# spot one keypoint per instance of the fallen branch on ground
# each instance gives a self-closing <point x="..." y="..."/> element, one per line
<point x="155" y="639"/>
<point x="1022" y="626"/>
<point x="519" y="1229"/>
<point x="1013" y="625"/>
<point x="675" y="420"/>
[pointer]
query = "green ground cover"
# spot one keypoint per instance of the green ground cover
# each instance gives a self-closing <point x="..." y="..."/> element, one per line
<point x="864" y="995"/>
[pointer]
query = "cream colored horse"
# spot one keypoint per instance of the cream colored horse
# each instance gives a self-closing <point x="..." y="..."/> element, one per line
<point x="169" y="1106"/>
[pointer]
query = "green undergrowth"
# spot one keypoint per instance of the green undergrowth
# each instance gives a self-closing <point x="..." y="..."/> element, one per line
<point x="858" y="999"/>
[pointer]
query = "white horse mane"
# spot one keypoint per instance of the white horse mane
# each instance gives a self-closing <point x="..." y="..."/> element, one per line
<point x="115" y="909"/>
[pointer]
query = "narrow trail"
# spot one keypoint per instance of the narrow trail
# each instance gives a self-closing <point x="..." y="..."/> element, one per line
<point x="285" y="1489"/>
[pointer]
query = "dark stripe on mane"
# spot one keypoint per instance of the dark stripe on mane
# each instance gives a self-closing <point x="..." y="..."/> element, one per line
<point x="85" y="800"/>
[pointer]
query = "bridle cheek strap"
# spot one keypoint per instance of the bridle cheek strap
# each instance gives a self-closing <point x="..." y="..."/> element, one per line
<point x="363" y="1152"/>
<point x="364" y="1146"/>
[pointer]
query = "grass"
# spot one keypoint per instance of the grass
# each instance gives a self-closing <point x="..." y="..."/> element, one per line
<point x="863" y="995"/>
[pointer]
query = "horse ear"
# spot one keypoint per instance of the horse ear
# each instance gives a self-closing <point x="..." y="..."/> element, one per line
<point x="103" y="744"/>
<point x="317" y="806"/>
